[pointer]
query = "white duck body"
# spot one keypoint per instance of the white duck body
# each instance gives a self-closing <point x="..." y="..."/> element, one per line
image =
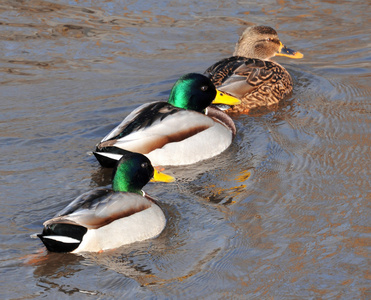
<point x="112" y="219"/>
<point x="138" y="227"/>
<point x="168" y="135"/>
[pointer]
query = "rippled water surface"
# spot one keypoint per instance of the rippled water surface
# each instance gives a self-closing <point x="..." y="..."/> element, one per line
<point x="282" y="214"/>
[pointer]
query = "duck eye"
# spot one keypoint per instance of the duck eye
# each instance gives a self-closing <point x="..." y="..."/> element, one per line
<point x="144" y="165"/>
<point x="269" y="39"/>
<point x="204" y="88"/>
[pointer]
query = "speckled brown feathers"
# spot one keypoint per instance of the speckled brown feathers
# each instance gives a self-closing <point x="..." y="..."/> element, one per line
<point x="250" y="75"/>
<point x="256" y="82"/>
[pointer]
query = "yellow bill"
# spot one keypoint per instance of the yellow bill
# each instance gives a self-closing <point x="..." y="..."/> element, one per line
<point x="223" y="98"/>
<point x="284" y="51"/>
<point x="159" y="176"/>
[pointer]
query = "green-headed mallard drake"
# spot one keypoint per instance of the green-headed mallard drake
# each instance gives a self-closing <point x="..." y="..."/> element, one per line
<point x="176" y="132"/>
<point x="250" y="75"/>
<point x="108" y="218"/>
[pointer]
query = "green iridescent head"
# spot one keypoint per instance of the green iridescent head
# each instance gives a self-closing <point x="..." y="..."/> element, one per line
<point x="192" y="91"/>
<point x="133" y="171"/>
<point x="196" y="92"/>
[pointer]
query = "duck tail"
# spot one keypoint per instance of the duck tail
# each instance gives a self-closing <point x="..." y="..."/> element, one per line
<point x="59" y="237"/>
<point x="108" y="156"/>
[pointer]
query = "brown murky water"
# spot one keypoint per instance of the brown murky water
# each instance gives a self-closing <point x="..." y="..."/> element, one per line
<point x="282" y="214"/>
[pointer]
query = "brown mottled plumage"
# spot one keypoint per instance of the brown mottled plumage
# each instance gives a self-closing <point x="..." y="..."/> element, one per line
<point x="250" y="75"/>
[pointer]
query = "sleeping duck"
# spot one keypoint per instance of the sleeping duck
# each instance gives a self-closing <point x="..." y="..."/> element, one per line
<point x="182" y="131"/>
<point x="108" y="218"/>
<point x="250" y="75"/>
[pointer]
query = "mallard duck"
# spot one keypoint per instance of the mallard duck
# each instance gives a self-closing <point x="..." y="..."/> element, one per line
<point x="108" y="218"/>
<point x="177" y="132"/>
<point x="250" y="75"/>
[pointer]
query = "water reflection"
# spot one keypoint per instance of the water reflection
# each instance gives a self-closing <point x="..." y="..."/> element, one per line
<point x="153" y="262"/>
<point x="297" y="227"/>
<point x="55" y="265"/>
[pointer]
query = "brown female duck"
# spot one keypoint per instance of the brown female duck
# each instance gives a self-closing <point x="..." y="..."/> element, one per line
<point x="250" y="75"/>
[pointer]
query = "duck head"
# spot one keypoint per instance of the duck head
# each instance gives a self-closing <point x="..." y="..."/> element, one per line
<point x="133" y="171"/>
<point x="196" y="92"/>
<point x="262" y="42"/>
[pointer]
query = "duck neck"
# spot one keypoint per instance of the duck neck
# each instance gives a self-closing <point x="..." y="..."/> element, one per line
<point x="244" y="50"/>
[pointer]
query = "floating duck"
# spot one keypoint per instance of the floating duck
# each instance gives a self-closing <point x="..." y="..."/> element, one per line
<point x="177" y="132"/>
<point x="250" y="75"/>
<point x="108" y="218"/>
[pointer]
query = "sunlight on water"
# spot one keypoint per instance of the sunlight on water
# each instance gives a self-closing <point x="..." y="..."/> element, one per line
<point x="282" y="213"/>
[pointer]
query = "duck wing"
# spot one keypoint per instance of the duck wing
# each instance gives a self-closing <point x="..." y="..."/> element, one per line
<point x="141" y="118"/>
<point x="100" y="207"/>
<point x="239" y="75"/>
<point x="255" y="82"/>
<point x="152" y="126"/>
